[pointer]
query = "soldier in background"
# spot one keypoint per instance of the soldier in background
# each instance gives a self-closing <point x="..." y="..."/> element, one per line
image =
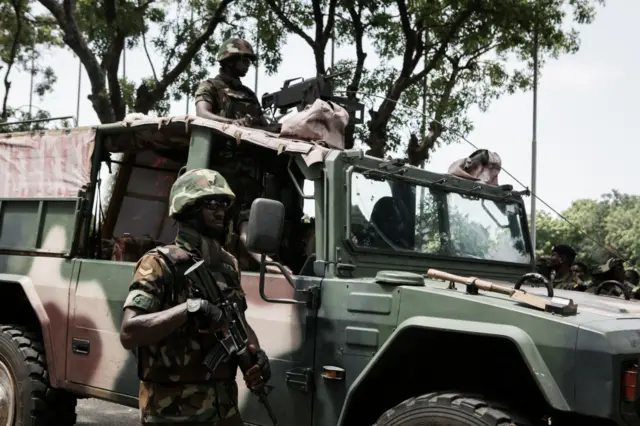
<point x="560" y="261"/>
<point x="542" y="267"/>
<point x="168" y="323"/>
<point x="632" y="277"/>
<point x="580" y="273"/>
<point x="607" y="267"/>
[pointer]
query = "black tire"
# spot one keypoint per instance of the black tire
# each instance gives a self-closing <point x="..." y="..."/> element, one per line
<point x="36" y="402"/>
<point x="447" y="409"/>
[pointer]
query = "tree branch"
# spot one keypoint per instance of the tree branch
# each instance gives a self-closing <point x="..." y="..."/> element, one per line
<point x="170" y="77"/>
<point x="319" y="21"/>
<point x="418" y="153"/>
<point x="111" y="60"/>
<point x="146" y="51"/>
<point x="288" y="23"/>
<point x="12" y="57"/>
<point x="442" y="49"/>
<point x="63" y="15"/>
<point x="409" y="35"/>
<point x="361" y="55"/>
<point x="479" y="52"/>
<point x="144" y="6"/>
<point x="331" y="19"/>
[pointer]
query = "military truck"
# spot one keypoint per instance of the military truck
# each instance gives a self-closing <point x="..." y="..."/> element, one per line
<point x="360" y="334"/>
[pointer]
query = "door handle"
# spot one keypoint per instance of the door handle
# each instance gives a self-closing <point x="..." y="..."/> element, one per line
<point x="80" y="346"/>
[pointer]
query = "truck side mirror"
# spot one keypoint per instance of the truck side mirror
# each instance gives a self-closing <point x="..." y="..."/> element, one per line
<point x="264" y="231"/>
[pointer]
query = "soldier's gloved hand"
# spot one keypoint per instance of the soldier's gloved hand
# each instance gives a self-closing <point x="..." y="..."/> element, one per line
<point x="206" y="315"/>
<point x="259" y="374"/>
<point x="245" y="121"/>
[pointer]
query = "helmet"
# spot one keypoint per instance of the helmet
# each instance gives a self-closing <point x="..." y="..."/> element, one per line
<point x="197" y="184"/>
<point x="604" y="260"/>
<point x="233" y="47"/>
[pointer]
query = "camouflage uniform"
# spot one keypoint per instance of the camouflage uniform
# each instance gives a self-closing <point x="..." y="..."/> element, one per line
<point x="175" y="386"/>
<point x="231" y="99"/>
<point x="565" y="255"/>
<point x="566" y="282"/>
<point x="226" y="94"/>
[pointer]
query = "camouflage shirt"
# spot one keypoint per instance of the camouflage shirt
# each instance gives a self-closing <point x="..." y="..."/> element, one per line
<point x="175" y="386"/>
<point x="230" y="98"/>
<point x="566" y="282"/>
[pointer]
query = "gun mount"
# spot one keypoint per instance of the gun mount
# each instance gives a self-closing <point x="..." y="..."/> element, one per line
<point x="307" y="91"/>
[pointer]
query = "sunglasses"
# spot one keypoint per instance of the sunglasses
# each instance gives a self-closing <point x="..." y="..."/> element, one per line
<point x="216" y="204"/>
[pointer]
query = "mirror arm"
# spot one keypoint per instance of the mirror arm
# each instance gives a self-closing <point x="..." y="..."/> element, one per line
<point x="263" y="271"/>
<point x="286" y="273"/>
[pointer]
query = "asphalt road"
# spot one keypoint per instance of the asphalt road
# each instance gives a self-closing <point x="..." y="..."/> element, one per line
<point x="96" y="412"/>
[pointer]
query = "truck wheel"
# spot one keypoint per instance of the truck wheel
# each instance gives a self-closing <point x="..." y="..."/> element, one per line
<point x="26" y="399"/>
<point x="446" y="409"/>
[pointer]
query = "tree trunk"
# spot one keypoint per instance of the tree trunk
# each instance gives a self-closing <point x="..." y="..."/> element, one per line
<point x="318" y="53"/>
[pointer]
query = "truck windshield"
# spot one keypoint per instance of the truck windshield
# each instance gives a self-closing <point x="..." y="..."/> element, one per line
<point x="393" y="214"/>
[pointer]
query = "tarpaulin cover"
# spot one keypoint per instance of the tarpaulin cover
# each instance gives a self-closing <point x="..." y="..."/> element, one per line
<point x="52" y="164"/>
<point x="154" y="133"/>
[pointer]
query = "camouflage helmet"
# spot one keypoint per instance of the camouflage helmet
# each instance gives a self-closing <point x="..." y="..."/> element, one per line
<point x="197" y="184"/>
<point x="233" y="47"/>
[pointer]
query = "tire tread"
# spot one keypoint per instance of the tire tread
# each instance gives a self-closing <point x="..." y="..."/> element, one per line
<point x="479" y="408"/>
<point x="48" y="405"/>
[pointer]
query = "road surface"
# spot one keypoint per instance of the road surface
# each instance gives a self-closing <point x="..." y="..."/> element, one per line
<point x="96" y="412"/>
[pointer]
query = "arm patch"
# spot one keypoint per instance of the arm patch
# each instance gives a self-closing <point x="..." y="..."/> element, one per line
<point x="147" y="289"/>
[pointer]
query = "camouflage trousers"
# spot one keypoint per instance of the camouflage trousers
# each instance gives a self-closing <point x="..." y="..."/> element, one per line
<point x="235" y="420"/>
<point x="210" y="404"/>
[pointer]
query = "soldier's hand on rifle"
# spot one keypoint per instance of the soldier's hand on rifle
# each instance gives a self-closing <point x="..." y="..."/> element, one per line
<point x="205" y="314"/>
<point x="259" y="374"/>
<point x="245" y="121"/>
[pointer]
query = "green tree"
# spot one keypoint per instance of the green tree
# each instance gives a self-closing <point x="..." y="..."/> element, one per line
<point x="185" y="34"/>
<point x="591" y="224"/>
<point x="453" y="56"/>
<point x="23" y="38"/>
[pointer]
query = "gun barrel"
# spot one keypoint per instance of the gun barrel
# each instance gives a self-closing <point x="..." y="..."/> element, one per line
<point x="340" y="74"/>
<point x="264" y="401"/>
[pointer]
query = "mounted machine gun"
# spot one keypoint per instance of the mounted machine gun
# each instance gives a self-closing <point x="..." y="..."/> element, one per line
<point x="307" y="91"/>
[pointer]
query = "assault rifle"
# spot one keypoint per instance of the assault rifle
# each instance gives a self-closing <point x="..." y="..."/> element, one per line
<point x="232" y="338"/>
<point x="307" y="91"/>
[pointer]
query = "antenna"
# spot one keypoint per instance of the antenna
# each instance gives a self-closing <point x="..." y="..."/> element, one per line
<point x="255" y="84"/>
<point x="333" y="47"/>
<point x="189" y="72"/>
<point x="124" y="66"/>
<point x="33" y="60"/>
<point x="534" y="142"/>
<point x="78" y="95"/>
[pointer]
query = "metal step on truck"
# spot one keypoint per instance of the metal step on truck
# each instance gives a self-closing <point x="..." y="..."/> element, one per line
<point x="402" y="308"/>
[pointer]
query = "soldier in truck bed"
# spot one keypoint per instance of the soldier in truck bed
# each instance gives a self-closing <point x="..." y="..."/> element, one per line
<point x="225" y="95"/>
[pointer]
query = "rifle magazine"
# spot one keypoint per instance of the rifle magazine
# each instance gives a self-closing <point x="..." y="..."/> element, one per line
<point x="215" y="356"/>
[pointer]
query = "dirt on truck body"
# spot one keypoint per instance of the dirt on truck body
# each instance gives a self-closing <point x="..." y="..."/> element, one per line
<point x="361" y="334"/>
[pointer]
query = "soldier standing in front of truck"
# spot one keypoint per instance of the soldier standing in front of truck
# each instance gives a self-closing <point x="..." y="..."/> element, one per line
<point x="164" y="317"/>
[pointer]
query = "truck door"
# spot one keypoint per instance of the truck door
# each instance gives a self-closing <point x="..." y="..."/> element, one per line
<point x="287" y="334"/>
<point x="137" y="218"/>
